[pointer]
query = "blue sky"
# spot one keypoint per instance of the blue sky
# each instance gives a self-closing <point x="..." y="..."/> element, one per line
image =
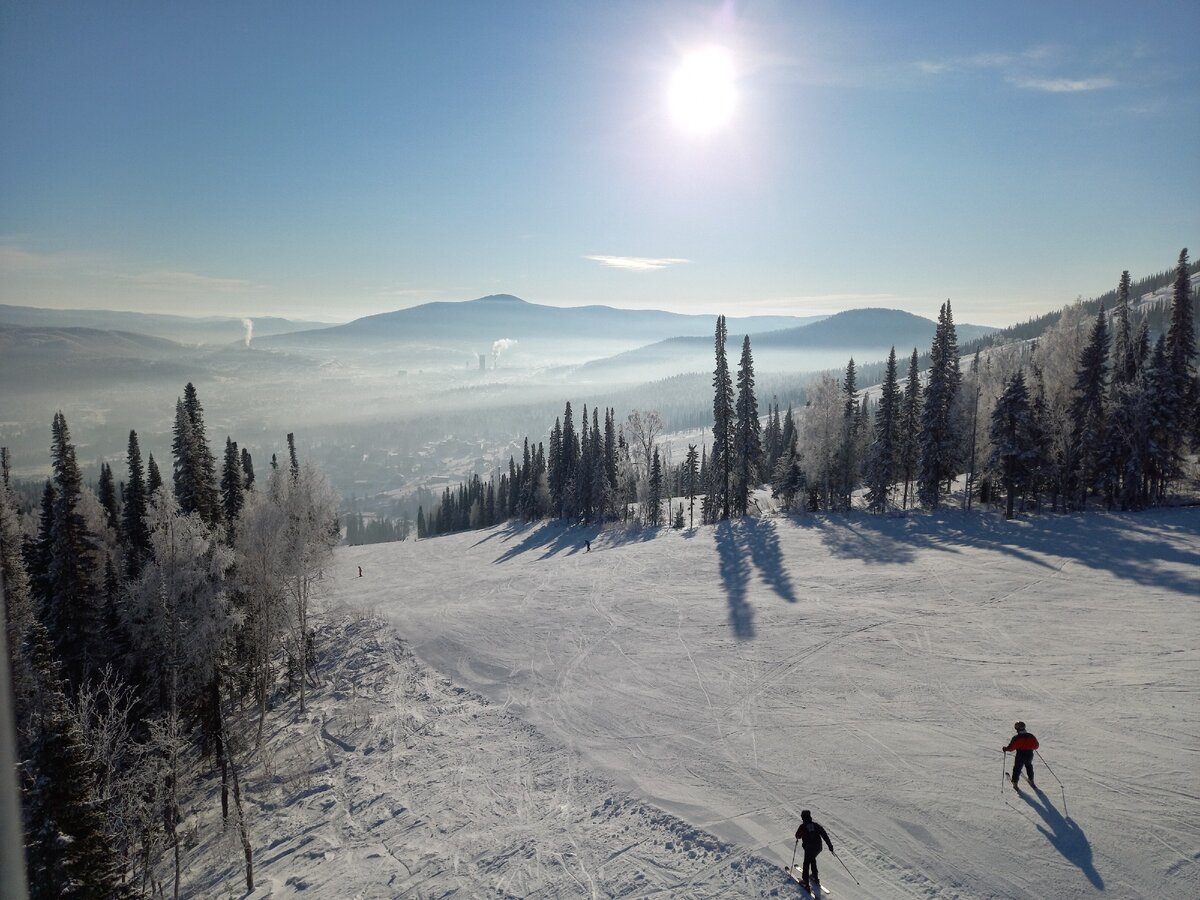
<point x="334" y="160"/>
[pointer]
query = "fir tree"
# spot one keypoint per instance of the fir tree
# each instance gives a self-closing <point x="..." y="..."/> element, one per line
<point x="881" y="461"/>
<point x="748" y="434"/>
<point x="721" y="463"/>
<point x="909" y="428"/>
<point x="847" y="466"/>
<point x="691" y="481"/>
<point x="1014" y="451"/>
<point x="940" y="451"/>
<point x="1087" y="409"/>
<point x="655" y="493"/>
<point x="137" y="535"/>
<point x="202" y="465"/>
<point x="247" y="470"/>
<point x="106" y="492"/>
<point x="232" y="488"/>
<point x="74" y="599"/>
<point x="153" y="477"/>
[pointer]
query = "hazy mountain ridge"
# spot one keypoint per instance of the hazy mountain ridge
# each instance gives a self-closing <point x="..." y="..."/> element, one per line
<point x="866" y="334"/>
<point x="183" y="329"/>
<point x="475" y="325"/>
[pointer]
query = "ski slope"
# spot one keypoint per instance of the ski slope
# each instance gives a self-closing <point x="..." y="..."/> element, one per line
<point x="866" y="668"/>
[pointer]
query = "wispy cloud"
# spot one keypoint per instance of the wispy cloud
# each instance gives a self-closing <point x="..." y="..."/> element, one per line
<point x="1061" y="85"/>
<point x="172" y="280"/>
<point x="637" y="263"/>
<point x="1025" y="70"/>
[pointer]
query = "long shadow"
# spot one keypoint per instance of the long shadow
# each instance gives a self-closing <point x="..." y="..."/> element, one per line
<point x="1066" y="837"/>
<point x="1159" y="548"/>
<point x="735" y="576"/>
<point x="767" y="555"/>
<point x="549" y="537"/>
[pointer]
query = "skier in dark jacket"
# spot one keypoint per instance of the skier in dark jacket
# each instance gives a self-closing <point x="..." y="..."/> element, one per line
<point x="1024" y="743"/>
<point x="810" y="835"/>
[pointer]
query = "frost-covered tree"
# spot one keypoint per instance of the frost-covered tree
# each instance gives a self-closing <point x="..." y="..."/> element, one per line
<point x="820" y="437"/>
<point x="691" y="481"/>
<point x="846" y="464"/>
<point x="655" y="492"/>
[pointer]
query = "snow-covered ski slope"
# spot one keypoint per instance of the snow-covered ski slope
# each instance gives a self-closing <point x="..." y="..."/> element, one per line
<point x="866" y="668"/>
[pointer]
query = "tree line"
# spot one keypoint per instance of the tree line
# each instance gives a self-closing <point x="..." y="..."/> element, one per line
<point x="1092" y="411"/>
<point x="141" y="615"/>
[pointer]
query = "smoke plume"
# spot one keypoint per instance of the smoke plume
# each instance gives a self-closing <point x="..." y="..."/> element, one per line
<point x="249" y="326"/>
<point x="500" y="346"/>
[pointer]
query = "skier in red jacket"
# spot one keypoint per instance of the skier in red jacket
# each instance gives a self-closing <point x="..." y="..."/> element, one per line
<point x="1024" y="743"/>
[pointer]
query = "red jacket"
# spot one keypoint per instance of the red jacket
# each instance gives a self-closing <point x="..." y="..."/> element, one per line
<point x="1022" y="740"/>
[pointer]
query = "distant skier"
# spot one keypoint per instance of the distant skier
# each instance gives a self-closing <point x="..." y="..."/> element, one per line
<point x="360" y="571"/>
<point x="1024" y="743"/>
<point x="589" y="547"/>
<point x="810" y="834"/>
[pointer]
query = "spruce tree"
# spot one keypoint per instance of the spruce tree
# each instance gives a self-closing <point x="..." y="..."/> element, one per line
<point x="74" y="600"/>
<point x="106" y="493"/>
<point x="153" y="477"/>
<point x="137" y="535"/>
<point x="1087" y="410"/>
<point x="600" y="493"/>
<point x="748" y="434"/>
<point x="909" y="428"/>
<point x="691" y="481"/>
<point x="247" y="469"/>
<point x="847" y="465"/>
<point x="232" y="487"/>
<point x="940" y="445"/>
<point x="721" y="463"/>
<point x="881" y="459"/>
<point x="202" y="465"/>
<point x="1014" y="453"/>
<point x="655" y="493"/>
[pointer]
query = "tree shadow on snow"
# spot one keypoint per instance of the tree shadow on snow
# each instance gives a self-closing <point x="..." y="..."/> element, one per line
<point x="735" y="576"/>
<point x="750" y="542"/>
<point x="555" y="537"/>
<point x="1066" y="837"/>
<point x="1154" y="548"/>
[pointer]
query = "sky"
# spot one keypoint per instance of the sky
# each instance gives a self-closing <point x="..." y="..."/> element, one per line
<point x="328" y="161"/>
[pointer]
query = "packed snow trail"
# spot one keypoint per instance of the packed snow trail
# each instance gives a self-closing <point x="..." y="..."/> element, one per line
<point x="397" y="783"/>
<point x="866" y="668"/>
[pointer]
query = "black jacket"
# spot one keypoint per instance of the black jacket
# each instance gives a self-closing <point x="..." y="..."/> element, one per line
<point x="810" y="835"/>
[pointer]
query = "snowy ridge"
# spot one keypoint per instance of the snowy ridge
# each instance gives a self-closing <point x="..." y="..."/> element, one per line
<point x="399" y="783"/>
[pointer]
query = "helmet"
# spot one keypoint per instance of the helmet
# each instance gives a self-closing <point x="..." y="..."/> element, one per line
<point x="805" y="815"/>
<point x="1019" y="726"/>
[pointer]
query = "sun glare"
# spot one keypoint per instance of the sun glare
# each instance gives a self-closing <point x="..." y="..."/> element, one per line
<point x="701" y="94"/>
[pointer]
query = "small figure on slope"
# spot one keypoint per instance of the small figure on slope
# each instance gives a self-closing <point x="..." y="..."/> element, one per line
<point x="810" y="834"/>
<point x="1024" y="744"/>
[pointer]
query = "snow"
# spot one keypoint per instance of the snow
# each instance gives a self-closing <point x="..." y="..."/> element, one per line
<point x="649" y="718"/>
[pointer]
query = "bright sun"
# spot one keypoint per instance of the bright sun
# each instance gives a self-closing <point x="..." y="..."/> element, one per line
<point x="701" y="94"/>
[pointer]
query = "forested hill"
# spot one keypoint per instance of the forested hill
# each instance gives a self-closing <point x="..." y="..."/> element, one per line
<point x="1156" y="311"/>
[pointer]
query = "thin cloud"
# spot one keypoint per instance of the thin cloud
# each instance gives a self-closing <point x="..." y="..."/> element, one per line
<point x="637" y="263"/>
<point x="172" y="280"/>
<point x="1062" y="85"/>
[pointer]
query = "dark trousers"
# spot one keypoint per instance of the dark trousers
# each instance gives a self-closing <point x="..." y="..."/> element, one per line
<point x="1023" y="758"/>
<point x="810" y="864"/>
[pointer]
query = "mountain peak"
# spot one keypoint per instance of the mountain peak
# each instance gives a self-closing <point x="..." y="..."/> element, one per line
<point x="499" y="298"/>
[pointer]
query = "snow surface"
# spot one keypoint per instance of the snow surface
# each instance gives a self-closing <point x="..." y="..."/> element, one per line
<point x="649" y="718"/>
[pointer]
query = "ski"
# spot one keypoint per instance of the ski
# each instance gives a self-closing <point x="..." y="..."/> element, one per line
<point x="820" y="891"/>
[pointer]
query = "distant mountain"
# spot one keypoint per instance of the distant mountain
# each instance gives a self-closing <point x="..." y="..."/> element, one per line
<point x="184" y="329"/>
<point x="34" y="358"/>
<point x="865" y="334"/>
<point x="541" y="333"/>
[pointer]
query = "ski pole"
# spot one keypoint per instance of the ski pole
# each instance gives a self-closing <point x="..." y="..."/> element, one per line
<point x="846" y="867"/>
<point x="1061" y="786"/>
<point x="1003" y="770"/>
<point x="793" y="865"/>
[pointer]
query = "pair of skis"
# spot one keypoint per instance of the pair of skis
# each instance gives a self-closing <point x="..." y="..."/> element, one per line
<point x="814" y="892"/>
